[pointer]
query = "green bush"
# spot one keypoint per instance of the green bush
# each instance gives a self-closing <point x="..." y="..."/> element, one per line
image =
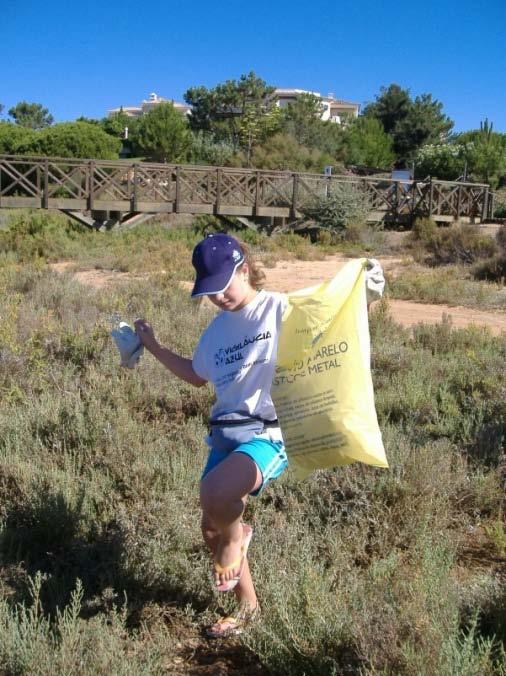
<point x="458" y="244"/>
<point x="12" y="136"/>
<point x="72" y="139"/>
<point x="493" y="269"/>
<point x="424" y="229"/>
<point x="501" y="237"/>
<point x="359" y="570"/>
<point x="345" y="204"/>
<point x="40" y="235"/>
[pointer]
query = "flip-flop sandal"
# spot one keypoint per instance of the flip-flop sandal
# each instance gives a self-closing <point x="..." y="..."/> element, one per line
<point x="225" y="626"/>
<point x="240" y="561"/>
<point x="232" y="625"/>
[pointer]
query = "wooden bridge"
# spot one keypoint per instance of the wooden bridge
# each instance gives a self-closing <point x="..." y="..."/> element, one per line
<point x="98" y="192"/>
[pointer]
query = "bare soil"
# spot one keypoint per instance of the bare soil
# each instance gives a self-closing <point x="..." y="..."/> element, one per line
<point x="291" y="275"/>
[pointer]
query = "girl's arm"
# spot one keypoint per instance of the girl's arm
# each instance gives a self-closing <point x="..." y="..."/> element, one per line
<point x="179" y="366"/>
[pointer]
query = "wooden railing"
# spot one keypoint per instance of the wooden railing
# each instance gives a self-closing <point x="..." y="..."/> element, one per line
<point x="123" y="186"/>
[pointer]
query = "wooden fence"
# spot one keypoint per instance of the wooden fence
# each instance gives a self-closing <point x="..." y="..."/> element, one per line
<point x="81" y="186"/>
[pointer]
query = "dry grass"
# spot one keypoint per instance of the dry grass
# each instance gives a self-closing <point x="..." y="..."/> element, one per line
<point x="359" y="570"/>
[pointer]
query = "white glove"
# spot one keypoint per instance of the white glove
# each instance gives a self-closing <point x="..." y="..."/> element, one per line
<point x="128" y="344"/>
<point x="374" y="280"/>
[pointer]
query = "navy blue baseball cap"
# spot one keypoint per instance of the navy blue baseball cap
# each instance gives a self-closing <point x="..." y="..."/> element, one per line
<point x="215" y="259"/>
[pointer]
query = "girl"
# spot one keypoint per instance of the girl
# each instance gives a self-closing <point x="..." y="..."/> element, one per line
<point x="236" y="353"/>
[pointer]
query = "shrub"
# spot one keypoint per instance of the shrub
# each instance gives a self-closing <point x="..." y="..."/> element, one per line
<point x="500" y="211"/>
<point x="72" y="139"/>
<point x="12" y="136"/>
<point x="444" y="161"/>
<point x="424" y="229"/>
<point x="501" y="237"/>
<point x="206" y="150"/>
<point x="282" y="151"/>
<point x="40" y="235"/>
<point x="493" y="269"/>
<point x="458" y="244"/>
<point x="345" y="204"/>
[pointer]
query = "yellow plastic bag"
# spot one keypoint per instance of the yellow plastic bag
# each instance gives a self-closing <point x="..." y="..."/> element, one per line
<point x="322" y="388"/>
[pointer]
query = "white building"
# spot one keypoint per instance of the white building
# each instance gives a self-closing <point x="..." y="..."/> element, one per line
<point x="335" y="110"/>
<point x="147" y="105"/>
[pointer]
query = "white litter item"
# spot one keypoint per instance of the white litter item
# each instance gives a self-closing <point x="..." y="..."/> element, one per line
<point x="129" y="345"/>
<point x="374" y="280"/>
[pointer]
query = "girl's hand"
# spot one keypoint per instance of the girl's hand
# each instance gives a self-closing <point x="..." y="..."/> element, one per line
<point x="146" y="334"/>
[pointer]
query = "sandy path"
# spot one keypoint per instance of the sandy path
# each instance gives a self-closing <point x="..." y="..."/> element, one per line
<point x="292" y="275"/>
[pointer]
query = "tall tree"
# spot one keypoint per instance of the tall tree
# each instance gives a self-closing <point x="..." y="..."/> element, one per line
<point x="220" y="110"/>
<point x="163" y="134"/>
<point x="115" y="124"/>
<point x="302" y="117"/>
<point x="367" y="143"/>
<point x="487" y="153"/>
<point x="424" y="123"/>
<point x="410" y="123"/>
<point x="391" y="106"/>
<point x="31" y="115"/>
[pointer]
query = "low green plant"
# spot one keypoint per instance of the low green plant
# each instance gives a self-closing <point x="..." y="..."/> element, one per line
<point x="496" y="531"/>
<point x="458" y="244"/>
<point x="492" y="269"/>
<point x="359" y="570"/>
<point x="451" y="285"/>
<point x="424" y="229"/>
<point x="343" y="205"/>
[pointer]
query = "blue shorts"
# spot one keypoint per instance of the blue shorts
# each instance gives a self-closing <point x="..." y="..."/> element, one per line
<point x="269" y="456"/>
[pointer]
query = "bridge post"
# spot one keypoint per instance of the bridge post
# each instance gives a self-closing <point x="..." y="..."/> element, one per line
<point x="491" y="205"/>
<point x="295" y="194"/>
<point x="134" y="191"/>
<point x="431" y="196"/>
<point x="178" y="188"/>
<point x="218" y="191"/>
<point x="397" y="198"/>
<point x="91" y="187"/>
<point x="257" y="192"/>
<point x="484" y="207"/>
<point x="459" y="202"/>
<point x="45" y="194"/>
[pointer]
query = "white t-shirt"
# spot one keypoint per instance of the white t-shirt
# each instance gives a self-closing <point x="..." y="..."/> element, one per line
<point x="237" y="354"/>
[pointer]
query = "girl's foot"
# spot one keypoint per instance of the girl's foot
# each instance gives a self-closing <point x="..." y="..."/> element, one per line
<point x="233" y="624"/>
<point x="227" y="575"/>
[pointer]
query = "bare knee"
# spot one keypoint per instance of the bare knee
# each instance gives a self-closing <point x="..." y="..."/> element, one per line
<point x="209" y="498"/>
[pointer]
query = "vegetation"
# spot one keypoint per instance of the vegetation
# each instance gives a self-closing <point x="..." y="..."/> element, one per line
<point x="71" y="139"/>
<point x="237" y="123"/>
<point x="162" y="135"/>
<point x="13" y="137"/>
<point x="367" y="143"/>
<point x="31" y="115"/>
<point x="411" y="123"/>
<point x="344" y="205"/>
<point x="479" y="155"/>
<point x="360" y="570"/>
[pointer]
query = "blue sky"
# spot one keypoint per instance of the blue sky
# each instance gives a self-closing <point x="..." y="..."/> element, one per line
<point x="83" y="58"/>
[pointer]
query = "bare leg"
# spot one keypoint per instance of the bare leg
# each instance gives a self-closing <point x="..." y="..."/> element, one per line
<point x="244" y="591"/>
<point x="223" y="494"/>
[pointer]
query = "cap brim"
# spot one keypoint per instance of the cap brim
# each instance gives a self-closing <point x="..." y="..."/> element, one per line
<point x="212" y="284"/>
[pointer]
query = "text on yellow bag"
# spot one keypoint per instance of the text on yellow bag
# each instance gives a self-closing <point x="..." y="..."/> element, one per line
<point x="322" y="388"/>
